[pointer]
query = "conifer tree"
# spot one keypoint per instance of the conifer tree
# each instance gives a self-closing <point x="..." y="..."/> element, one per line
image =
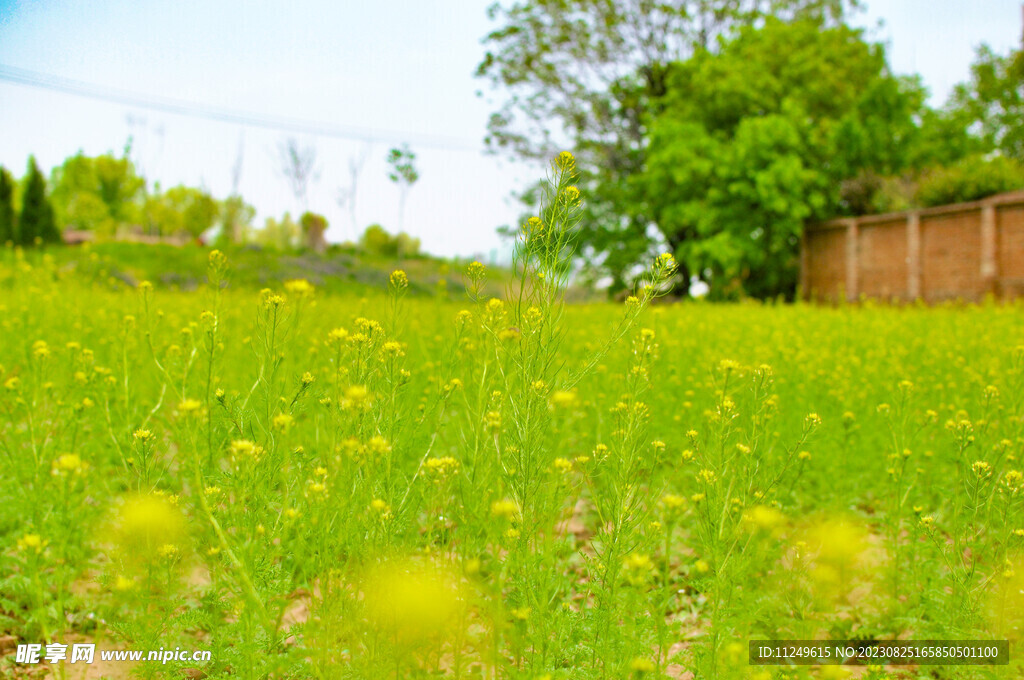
<point x="7" y="225"/>
<point x="37" y="220"/>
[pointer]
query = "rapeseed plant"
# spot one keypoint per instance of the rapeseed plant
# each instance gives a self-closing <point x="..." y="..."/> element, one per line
<point x="318" y="485"/>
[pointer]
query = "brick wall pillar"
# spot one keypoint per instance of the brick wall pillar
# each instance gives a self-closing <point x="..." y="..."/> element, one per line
<point x="989" y="268"/>
<point x="913" y="256"/>
<point x="852" y="264"/>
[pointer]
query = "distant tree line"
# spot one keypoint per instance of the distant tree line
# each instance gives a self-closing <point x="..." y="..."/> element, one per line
<point x="106" y="198"/>
<point x="717" y="128"/>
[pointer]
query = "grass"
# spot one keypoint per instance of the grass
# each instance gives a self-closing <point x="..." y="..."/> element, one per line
<point x="342" y="271"/>
<point x="318" y="483"/>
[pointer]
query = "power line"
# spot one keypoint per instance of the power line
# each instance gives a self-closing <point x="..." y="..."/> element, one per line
<point x="195" y="110"/>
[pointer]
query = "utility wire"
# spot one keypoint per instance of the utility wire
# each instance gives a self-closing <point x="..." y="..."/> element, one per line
<point x="185" y="108"/>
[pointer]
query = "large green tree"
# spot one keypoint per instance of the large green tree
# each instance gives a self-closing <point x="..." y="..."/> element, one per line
<point x="98" y="193"/>
<point x="993" y="100"/>
<point x="7" y="223"/>
<point x="754" y="139"/>
<point x="36" y="223"/>
<point x="585" y="74"/>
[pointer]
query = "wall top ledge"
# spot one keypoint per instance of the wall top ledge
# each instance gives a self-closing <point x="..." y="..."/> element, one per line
<point x="1009" y="198"/>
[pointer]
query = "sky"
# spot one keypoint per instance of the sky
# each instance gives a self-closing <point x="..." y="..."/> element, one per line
<point x="380" y="73"/>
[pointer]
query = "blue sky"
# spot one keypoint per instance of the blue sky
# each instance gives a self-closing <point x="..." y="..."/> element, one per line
<point x="395" y="70"/>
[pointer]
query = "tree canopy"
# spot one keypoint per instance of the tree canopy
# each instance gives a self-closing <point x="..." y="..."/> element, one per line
<point x="587" y="74"/>
<point x="718" y="128"/>
<point x="756" y="138"/>
<point x="97" y="193"/>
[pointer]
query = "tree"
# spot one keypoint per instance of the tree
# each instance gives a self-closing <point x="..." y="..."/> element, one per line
<point x="403" y="173"/>
<point x="235" y="218"/>
<point x="8" y="226"/>
<point x="235" y="214"/>
<point x="585" y="74"/>
<point x="36" y="223"/>
<point x="98" y="194"/>
<point x="181" y="210"/>
<point x="757" y="138"/>
<point x="971" y="179"/>
<point x="993" y="100"/>
<point x="283" y="235"/>
<point x="377" y="241"/>
<point x="313" y="228"/>
<point x="198" y="210"/>
<point x="298" y="165"/>
<point x="347" y="194"/>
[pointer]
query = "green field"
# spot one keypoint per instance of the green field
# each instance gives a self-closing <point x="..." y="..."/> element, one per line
<point x="327" y="484"/>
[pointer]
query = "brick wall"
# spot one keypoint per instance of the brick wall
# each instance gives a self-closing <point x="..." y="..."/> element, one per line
<point x="964" y="251"/>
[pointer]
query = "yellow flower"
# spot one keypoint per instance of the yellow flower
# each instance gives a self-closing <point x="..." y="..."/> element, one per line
<point x="764" y="517"/>
<point x="168" y="551"/>
<point x="475" y="271"/>
<point x="411" y="602"/>
<point x="356" y="396"/>
<point x="504" y="508"/>
<point x="146" y="523"/>
<point x="563" y="465"/>
<point x="520" y="613"/>
<point x="40" y="349"/>
<point x="672" y="502"/>
<point x="243" y="448"/>
<point x="217" y="260"/>
<point x="378" y="445"/>
<point x="299" y="287"/>
<point x="190" y="406"/>
<point x="399" y="280"/>
<point x="640" y="665"/>
<point x="337" y="336"/>
<point x="565" y="160"/>
<point x="283" y="421"/>
<point x="442" y="468"/>
<point x="123" y="583"/>
<point x="31" y="542"/>
<point x="269" y="299"/>
<point x="563" y="398"/>
<point x="68" y="462"/>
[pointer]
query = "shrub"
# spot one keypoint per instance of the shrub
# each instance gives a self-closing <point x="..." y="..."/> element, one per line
<point x="973" y="178"/>
<point x="377" y="241"/>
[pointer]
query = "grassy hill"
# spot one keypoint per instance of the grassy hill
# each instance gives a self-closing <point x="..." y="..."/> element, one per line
<point x="347" y="271"/>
